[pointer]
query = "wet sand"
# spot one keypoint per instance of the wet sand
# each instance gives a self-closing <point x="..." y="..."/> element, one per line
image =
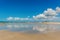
<point x="8" y="35"/>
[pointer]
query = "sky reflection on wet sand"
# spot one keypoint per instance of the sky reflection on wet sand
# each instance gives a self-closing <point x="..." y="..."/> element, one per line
<point x="25" y="27"/>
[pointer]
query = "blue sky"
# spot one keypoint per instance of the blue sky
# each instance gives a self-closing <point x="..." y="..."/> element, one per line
<point x="25" y="8"/>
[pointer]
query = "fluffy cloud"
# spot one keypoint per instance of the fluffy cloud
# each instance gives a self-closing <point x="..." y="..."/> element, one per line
<point x="17" y="18"/>
<point x="10" y="18"/>
<point x="39" y="16"/>
<point x="58" y="9"/>
<point x="24" y="18"/>
<point x="49" y="13"/>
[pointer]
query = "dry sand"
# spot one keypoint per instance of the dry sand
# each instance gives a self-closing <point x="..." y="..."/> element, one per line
<point x="7" y="35"/>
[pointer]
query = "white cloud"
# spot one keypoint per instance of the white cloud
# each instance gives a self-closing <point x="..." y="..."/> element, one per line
<point x="49" y="13"/>
<point x="24" y="18"/>
<point x="39" y="16"/>
<point x="16" y="18"/>
<point x="10" y="18"/>
<point x="58" y="9"/>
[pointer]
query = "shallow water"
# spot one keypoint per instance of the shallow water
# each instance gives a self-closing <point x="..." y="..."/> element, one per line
<point x="28" y="27"/>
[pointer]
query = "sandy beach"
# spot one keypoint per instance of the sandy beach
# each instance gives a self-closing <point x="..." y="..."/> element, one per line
<point x="8" y="35"/>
